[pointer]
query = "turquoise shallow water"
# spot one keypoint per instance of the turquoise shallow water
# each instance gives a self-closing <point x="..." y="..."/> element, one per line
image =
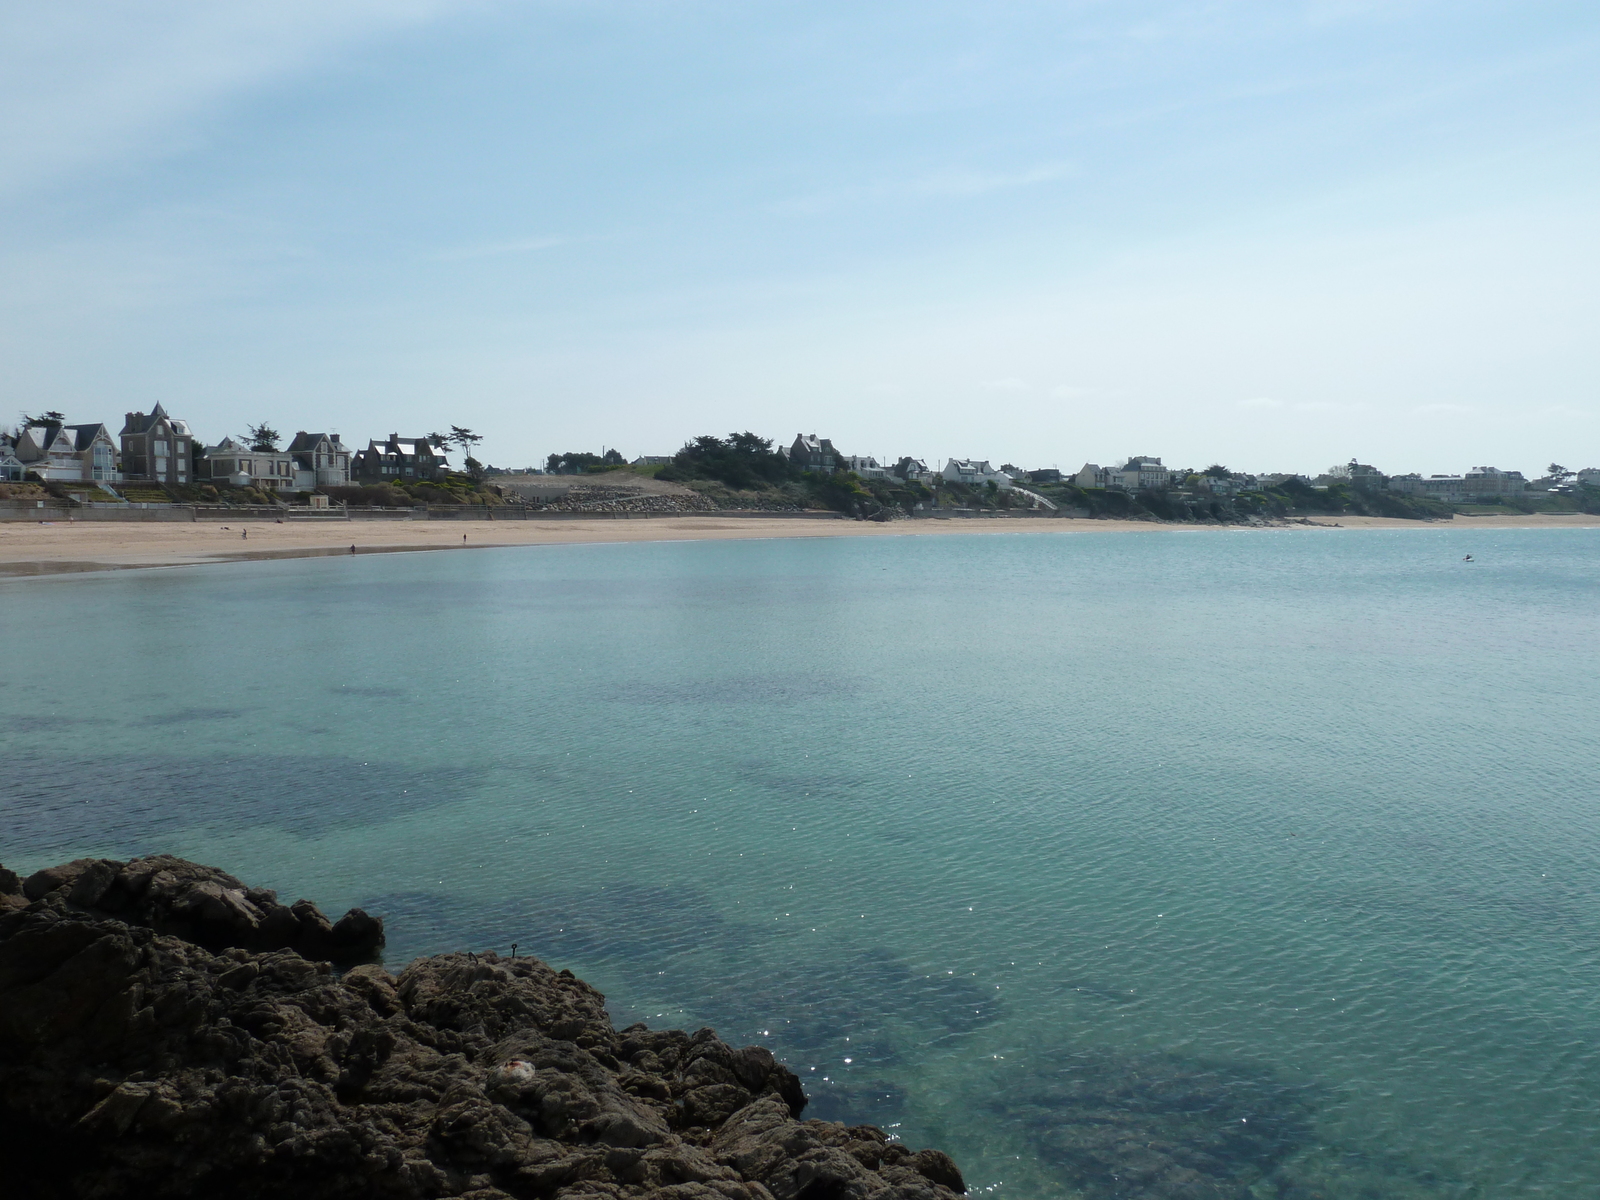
<point x="1171" y="864"/>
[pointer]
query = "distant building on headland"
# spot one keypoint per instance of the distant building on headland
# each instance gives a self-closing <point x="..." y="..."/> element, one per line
<point x="866" y="466"/>
<point x="975" y="472"/>
<point x="811" y="453"/>
<point x="915" y="470"/>
<point x="1480" y="483"/>
<point x="1140" y="473"/>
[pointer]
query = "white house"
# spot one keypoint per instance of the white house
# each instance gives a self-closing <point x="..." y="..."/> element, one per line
<point x="11" y="467"/>
<point x="867" y="467"/>
<point x="975" y="472"/>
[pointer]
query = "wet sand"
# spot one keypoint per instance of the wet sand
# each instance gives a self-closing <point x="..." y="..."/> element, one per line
<point x="65" y="547"/>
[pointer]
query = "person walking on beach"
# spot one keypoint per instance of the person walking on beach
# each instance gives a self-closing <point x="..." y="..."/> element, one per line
<point x="245" y="534"/>
<point x="352" y="549"/>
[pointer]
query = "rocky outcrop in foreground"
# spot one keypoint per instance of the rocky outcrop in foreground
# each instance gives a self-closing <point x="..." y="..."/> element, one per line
<point x="167" y="1031"/>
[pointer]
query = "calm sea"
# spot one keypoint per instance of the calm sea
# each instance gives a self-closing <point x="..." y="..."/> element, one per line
<point x="1255" y="864"/>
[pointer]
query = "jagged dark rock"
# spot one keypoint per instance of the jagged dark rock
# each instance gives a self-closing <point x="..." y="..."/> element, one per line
<point x="199" y="904"/>
<point x="167" y="1031"/>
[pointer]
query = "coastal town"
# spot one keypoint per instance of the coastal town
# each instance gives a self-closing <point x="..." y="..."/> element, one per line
<point x="157" y="459"/>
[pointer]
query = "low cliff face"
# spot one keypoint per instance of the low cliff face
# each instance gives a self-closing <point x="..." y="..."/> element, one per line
<point x="167" y="1031"/>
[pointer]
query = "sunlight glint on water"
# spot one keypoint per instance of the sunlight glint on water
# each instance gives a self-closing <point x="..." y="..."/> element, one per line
<point x="1104" y="861"/>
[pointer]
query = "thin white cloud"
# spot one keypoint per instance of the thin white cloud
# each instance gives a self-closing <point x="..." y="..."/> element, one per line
<point x="84" y="82"/>
<point x="1328" y="406"/>
<point x="952" y="182"/>
<point x="1261" y="402"/>
<point x="977" y="183"/>
<point x="498" y="249"/>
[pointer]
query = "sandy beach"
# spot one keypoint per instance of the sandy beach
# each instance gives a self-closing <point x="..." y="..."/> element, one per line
<point x="64" y="547"/>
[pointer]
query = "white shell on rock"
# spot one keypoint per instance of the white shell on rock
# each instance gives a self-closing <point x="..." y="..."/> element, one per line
<point x="514" y="1072"/>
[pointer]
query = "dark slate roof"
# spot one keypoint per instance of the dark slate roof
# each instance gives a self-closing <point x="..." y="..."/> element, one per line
<point x="306" y="441"/>
<point x="84" y="434"/>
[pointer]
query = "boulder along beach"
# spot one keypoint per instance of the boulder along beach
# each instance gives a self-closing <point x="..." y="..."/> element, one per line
<point x="167" y="1030"/>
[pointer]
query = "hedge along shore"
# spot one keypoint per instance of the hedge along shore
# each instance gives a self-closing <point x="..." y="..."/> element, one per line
<point x="62" y="547"/>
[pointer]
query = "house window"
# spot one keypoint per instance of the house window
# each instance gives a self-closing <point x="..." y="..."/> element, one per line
<point x="160" y="446"/>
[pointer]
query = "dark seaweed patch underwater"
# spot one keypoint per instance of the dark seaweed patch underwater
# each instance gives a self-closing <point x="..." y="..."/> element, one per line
<point x="626" y="758"/>
<point x="1093" y="1123"/>
<point x="1103" y="1125"/>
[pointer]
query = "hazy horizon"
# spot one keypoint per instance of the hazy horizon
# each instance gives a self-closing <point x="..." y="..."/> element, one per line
<point x="1273" y="235"/>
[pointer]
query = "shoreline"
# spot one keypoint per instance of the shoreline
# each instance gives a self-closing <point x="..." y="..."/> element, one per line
<point x="62" y="548"/>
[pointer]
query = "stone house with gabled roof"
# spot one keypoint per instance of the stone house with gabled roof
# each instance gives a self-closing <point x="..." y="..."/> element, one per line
<point x="156" y="447"/>
<point x="400" y="460"/>
<point x="320" y="460"/>
<point x="233" y="461"/>
<point x="811" y="453"/>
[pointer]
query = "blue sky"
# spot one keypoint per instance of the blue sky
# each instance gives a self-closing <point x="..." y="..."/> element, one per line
<point x="1271" y="234"/>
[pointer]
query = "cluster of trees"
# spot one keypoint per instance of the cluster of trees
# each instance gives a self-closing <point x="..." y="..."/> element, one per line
<point x="740" y="460"/>
<point x="746" y="462"/>
<point x="576" y="462"/>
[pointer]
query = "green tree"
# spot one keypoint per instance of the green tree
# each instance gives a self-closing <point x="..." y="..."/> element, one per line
<point x="742" y="460"/>
<point x="52" y="419"/>
<point x="1558" y="473"/>
<point x="574" y="462"/>
<point x="1217" y="471"/>
<point x="262" y="436"/>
